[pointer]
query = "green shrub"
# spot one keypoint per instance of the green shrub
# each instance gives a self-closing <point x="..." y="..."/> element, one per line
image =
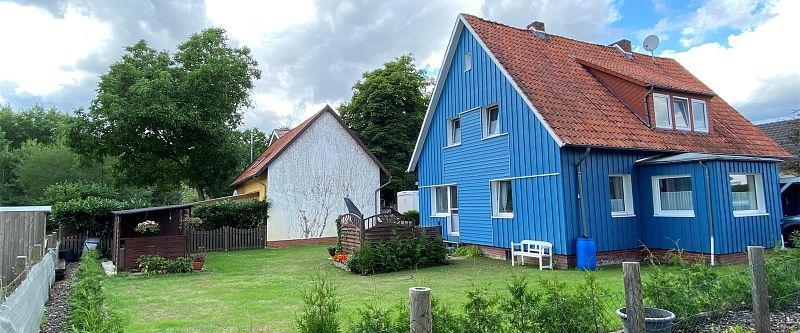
<point x="89" y="312"/>
<point x="91" y="214"/>
<point x="481" y="313"/>
<point x="399" y="254"/>
<point x="783" y="284"/>
<point x="468" y="251"/>
<point x="64" y="192"/>
<point x="237" y="214"/>
<point x="412" y="215"/>
<point x="155" y="264"/>
<point x="320" y="308"/>
<point x="372" y="319"/>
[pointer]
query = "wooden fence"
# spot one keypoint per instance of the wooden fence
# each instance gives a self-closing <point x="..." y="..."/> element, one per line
<point x="355" y="231"/>
<point x="20" y="230"/>
<point x="227" y="238"/>
<point x="75" y="243"/>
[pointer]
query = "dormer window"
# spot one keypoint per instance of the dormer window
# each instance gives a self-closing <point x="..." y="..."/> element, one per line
<point x="681" y="108"/>
<point x="680" y="113"/>
<point x="661" y="106"/>
<point x="700" y="115"/>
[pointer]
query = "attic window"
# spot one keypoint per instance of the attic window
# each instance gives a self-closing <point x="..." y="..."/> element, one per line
<point x="680" y="113"/>
<point x="467" y="61"/>
<point x="661" y="106"/>
<point x="681" y="107"/>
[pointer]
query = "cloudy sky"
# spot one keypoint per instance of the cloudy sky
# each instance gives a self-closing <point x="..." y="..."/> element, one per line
<point x="311" y="52"/>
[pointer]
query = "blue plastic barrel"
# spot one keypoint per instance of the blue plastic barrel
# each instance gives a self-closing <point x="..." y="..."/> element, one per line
<point x="586" y="250"/>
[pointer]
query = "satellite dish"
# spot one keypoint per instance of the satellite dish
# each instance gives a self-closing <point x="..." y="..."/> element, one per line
<point x="650" y="43"/>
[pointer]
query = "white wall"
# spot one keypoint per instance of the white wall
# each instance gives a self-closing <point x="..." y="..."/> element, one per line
<point x="308" y="181"/>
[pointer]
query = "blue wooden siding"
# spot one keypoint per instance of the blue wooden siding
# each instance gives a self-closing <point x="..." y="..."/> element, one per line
<point x="525" y="149"/>
<point x="687" y="233"/>
<point x="611" y="233"/>
<point x="734" y="234"/>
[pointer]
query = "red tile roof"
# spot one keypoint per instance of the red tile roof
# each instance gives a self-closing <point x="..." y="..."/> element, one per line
<point x="261" y="163"/>
<point x="581" y="111"/>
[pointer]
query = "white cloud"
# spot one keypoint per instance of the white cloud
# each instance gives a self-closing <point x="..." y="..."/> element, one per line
<point x="250" y="21"/>
<point x="752" y="61"/>
<point x="41" y="52"/>
<point x="717" y="14"/>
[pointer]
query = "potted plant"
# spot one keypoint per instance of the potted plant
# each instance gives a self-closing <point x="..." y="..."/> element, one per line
<point x="198" y="260"/>
<point x="147" y="226"/>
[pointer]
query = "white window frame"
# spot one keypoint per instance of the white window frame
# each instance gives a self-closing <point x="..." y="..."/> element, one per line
<point x="494" y="187"/>
<point x="705" y="115"/>
<point x="669" y="111"/>
<point x="467" y="61"/>
<point x="761" y="207"/>
<point x="485" y="121"/>
<point x="689" y="120"/>
<point x="657" y="211"/>
<point x="450" y="128"/>
<point x="434" y="197"/>
<point x="627" y="192"/>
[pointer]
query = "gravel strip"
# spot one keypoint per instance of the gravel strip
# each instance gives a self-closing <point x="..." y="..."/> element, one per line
<point x="57" y="307"/>
<point x="783" y="321"/>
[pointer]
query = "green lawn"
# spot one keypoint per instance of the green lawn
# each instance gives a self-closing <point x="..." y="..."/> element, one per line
<point x="260" y="290"/>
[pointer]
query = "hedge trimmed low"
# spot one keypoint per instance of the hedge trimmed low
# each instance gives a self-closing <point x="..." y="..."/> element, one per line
<point x="237" y="214"/>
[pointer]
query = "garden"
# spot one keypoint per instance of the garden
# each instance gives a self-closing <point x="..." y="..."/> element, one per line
<point x="299" y="289"/>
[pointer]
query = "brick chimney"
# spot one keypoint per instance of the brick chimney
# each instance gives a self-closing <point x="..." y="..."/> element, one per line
<point x="536" y="25"/>
<point x="624" y="44"/>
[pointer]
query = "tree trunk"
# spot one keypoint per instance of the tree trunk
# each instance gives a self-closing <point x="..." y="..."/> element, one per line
<point x="200" y="194"/>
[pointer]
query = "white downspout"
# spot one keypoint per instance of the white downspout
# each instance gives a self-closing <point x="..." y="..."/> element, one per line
<point x="712" y="250"/>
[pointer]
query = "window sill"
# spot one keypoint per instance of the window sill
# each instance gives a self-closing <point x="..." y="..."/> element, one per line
<point x="440" y="215"/>
<point x="453" y="234"/>
<point x="451" y="146"/>
<point x="503" y="216"/>
<point x="493" y="136"/>
<point x="662" y="214"/>
<point x="623" y="215"/>
<point x="746" y="214"/>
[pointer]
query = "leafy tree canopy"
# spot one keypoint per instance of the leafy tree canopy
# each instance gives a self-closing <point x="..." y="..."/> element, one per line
<point x="386" y="111"/>
<point x="171" y="119"/>
<point x="36" y="123"/>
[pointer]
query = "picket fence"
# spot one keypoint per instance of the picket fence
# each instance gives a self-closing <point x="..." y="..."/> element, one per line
<point x="227" y="238"/>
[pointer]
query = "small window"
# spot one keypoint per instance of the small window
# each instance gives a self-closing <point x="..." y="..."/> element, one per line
<point x="467" y="61"/>
<point x="700" y="115"/>
<point x="440" y="200"/>
<point x="661" y="107"/>
<point x="454" y="131"/>
<point x="621" y="195"/>
<point x="747" y="194"/>
<point x="672" y="196"/>
<point x="502" y="199"/>
<point x="491" y="121"/>
<point x="681" y="108"/>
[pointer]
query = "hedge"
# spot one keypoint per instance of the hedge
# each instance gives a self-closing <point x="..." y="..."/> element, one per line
<point x="91" y="214"/>
<point x="89" y="311"/>
<point x="237" y="214"/>
<point x="398" y="254"/>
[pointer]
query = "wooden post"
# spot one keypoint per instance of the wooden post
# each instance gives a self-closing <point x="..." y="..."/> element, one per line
<point x="420" y="315"/>
<point x="226" y="234"/>
<point x="634" y="305"/>
<point x="36" y="254"/>
<point x="50" y="241"/>
<point x="758" y="278"/>
<point x="264" y="226"/>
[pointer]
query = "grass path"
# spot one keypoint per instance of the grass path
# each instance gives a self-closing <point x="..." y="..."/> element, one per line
<point x="260" y="290"/>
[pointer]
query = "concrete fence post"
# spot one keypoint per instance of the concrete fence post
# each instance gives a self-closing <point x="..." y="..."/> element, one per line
<point x="36" y="253"/>
<point x="634" y="305"/>
<point x="758" y="279"/>
<point x="420" y="314"/>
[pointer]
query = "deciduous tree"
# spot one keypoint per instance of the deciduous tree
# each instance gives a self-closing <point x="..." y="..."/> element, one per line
<point x="171" y="119"/>
<point x="386" y="111"/>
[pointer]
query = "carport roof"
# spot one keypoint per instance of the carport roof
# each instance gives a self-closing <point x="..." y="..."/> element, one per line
<point x="696" y="157"/>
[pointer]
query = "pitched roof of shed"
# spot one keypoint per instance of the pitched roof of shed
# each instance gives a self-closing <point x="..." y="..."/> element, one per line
<point x="581" y="111"/>
<point x="276" y="148"/>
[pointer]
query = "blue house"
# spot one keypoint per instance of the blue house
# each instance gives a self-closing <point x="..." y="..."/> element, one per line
<point x="534" y="136"/>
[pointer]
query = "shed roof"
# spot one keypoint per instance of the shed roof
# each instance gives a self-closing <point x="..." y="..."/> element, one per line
<point x="25" y="209"/>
